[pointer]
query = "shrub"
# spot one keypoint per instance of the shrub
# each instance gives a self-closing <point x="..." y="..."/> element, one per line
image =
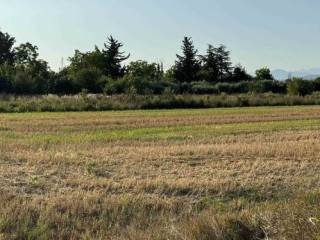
<point x="158" y="87"/>
<point x="5" y="85"/>
<point x="264" y="73"/>
<point x="298" y="86"/>
<point x="203" y="88"/>
<point x="117" y="86"/>
<point x="264" y="86"/>
<point x="88" y="78"/>
<point x="233" y="88"/>
<point x="316" y="85"/>
<point x="23" y="82"/>
<point x="182" y="88"/>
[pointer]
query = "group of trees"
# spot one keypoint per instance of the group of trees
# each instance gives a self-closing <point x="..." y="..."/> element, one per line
<point x="21" y="71"/>
<point x="103" y="70"/>
<point x="213" y="67"/>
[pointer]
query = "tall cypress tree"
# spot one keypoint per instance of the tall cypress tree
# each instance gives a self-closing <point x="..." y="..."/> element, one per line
<point x="113" y="58"/>
<point x="187" y="66"/>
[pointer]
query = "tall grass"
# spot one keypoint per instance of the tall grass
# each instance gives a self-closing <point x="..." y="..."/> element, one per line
<point x="52" y="103"/>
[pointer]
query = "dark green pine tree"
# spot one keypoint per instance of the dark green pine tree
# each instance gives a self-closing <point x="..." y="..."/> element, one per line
<point x="114" y="58"/>
<point x="6" y="48"/>
<point x="210" y="68"/>
<point x="223" y="62"/>
<point x="187" y="66"/>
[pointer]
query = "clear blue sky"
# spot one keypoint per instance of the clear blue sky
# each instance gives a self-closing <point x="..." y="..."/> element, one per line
<point x="275" y="33"/>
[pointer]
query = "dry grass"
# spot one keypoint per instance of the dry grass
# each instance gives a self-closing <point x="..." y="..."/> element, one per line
<point x="250" y="173"/>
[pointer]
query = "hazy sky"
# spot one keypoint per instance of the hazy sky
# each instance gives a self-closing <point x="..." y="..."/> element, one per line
<point x="275" y="33"/>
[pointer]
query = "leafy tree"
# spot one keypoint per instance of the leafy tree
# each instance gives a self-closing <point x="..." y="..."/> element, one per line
<point x="32" y="79"/>
<point x="93" y="59"/>
<point x="116" y="86"/>
<point x="5" y="85"/>
<point x="169" y="74"/>
<point x="264" y="74"/>
<point x="240" y="74"/>
<point x="77" y="61"/>
<point x="210" y="68"/>
<point x="6" y="78"/>
<point x="187" y="66"/>
<point x="36" y="71"/>
<point x="316" y="84"/>
<point x="61" y="83"/>
<point x="107" y="60"/>
<point x="23" y="82"/>
<point x="88" y="78"/>
<point x="26" y="54"/>
<point x="42" y="76"/>
<point x="142" y="76"/>
<point x="114" y="58"/>
<point x="143" y="69"/>
<point x="298" y="86"/>
<point x="91" y="70"/>
<point x="86" y="69"/>
<point x="6" y="48"/>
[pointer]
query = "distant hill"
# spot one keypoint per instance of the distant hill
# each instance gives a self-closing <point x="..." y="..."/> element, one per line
<point x="308" y="74"/>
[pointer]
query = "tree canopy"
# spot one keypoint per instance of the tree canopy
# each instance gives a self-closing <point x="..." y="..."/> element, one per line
<point x="107" y="69"/>
<point x="264" y="74"/>
<point x="7" y="53"/>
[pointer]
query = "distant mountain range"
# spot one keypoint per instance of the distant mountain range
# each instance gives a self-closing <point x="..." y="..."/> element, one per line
<point x="308" y="74"/>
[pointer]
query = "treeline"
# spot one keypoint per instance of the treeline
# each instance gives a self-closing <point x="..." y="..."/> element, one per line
<point x="103" y="70"/>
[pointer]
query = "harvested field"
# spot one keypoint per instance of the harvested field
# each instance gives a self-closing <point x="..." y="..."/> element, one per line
<point x="242" y="173"/>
